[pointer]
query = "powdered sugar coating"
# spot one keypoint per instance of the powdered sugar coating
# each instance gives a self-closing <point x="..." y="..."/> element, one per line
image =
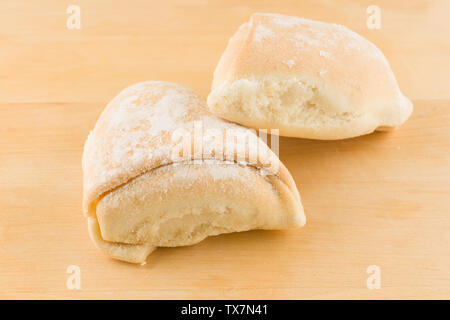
<point x="290" y="63"/>
<point x="262" y="32"/>
<point x="325" y="54"/>
<point x="304" y="33"/>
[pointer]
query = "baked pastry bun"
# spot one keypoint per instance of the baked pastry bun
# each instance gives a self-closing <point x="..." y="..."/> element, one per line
<point x="308" y="79"/>
<point x="160" y="171"/>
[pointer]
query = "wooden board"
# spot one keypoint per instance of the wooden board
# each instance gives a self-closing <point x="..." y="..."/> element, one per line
<point x="381" y="199"/>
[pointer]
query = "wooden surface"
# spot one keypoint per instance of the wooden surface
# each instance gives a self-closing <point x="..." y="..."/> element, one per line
<point x="381" y="199"/>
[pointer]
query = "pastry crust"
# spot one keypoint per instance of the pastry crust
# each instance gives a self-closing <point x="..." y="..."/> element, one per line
<point x="138" y="195"/>
<point x="309" y="79"/>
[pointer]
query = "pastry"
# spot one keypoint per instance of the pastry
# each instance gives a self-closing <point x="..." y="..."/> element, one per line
<point x="159" y="170"/>
<point x="309" y="79"/>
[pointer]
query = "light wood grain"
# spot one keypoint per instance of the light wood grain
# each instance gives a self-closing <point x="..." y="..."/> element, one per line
<point x="381" y="199"/>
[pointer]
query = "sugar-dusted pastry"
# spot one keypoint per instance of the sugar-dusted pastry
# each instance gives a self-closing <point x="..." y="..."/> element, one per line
<point x="309" y="79"/>
<point x="160" y="171"/>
